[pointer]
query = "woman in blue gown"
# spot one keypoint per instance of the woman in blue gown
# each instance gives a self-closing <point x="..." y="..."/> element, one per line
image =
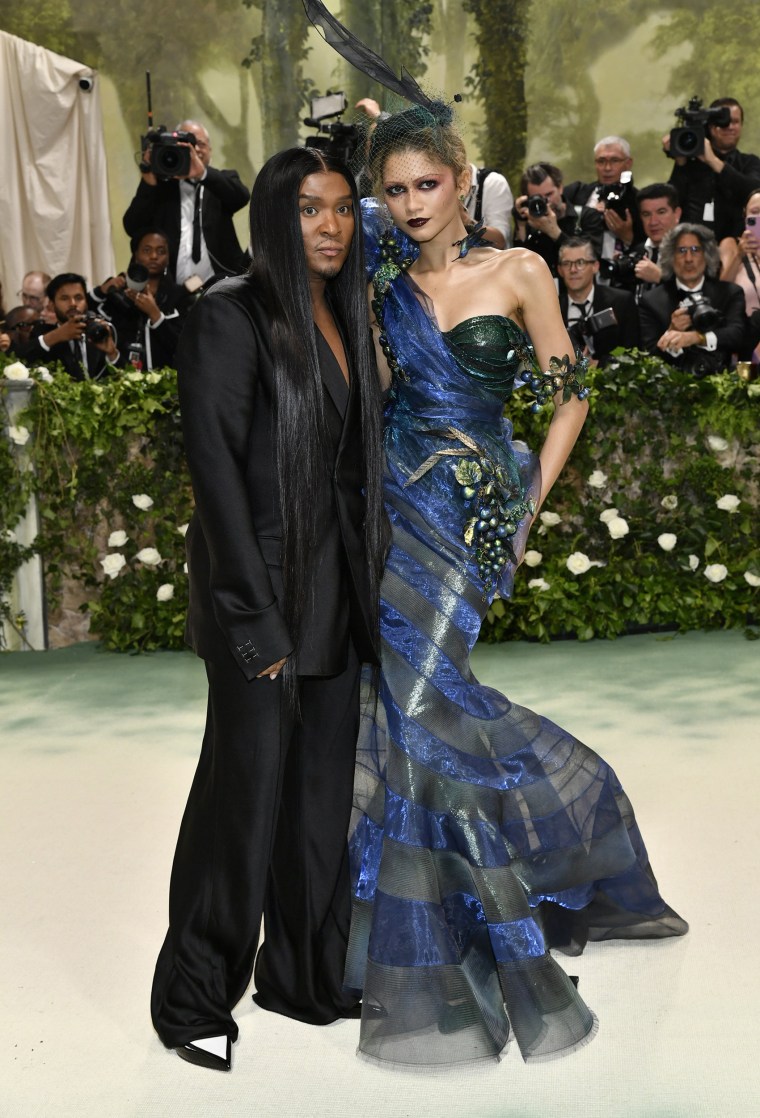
<point x="483" y="834"/>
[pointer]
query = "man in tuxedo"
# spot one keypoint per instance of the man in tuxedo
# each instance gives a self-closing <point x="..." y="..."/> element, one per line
<point x="672" y="325"/>
<point x="281" y="416"/>
<point x="612" y="157"/>
<point x="659" y="212"/>
<point x="544" y="233"/>
<point x="86" y="349"/>
<point x="586" y="306"/>
<point x="195" y="210"/>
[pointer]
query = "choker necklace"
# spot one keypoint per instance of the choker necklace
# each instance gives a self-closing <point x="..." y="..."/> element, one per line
<point x="474" y="239"/>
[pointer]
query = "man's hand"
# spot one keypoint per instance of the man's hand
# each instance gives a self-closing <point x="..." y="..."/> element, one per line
<point x="709" y="157"/>
<point x="108" y="345"/>
<point x="5" y="341"/>
<point x="197" y="166"/>
<point x="680" y="319"/>
<point x="114" y="283"/>
<point x="273" y="670"/>
<point x="620" y="227"/>
<point x="369" y="106"/>
<point x="547" y="224"/>
<point x="679" y="339"/>
<point x="69" y="331"/>
<point x="679" y="160"/>
<point x="647" y="271"/>
<point x="147" y="176"/>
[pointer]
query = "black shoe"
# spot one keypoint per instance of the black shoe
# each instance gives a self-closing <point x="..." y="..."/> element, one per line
<point x="205" y="1059"/>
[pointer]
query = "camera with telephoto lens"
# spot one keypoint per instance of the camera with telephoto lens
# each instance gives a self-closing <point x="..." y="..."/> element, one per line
<point x="537" y="205"/>
<point x="96" y="329"/>
<point x="704" y="316"/>
<point x="621" y="270"/>
<point x="688" y="140"/>
<point x="619" y="196"/>
<point x="169" y="158"/>
<point x="338" y="139"/>
<point x="585" y="328"/>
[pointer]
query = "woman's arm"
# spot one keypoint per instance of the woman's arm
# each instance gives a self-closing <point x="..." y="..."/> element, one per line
<point x="539" y="306"/>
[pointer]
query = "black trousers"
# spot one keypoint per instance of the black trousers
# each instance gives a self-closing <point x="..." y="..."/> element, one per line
<point x="264" y="830"/>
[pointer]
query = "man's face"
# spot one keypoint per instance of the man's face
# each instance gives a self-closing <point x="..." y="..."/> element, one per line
<point x="202" y="142"/>
<point x="726" y="139"/>
<point x="657" y="217"/>
<point x="689" y="259"/>
<point x="610" y="161"/>
<point x="33" y="292"/>
<point x="21" y="324"/>
<point x="549" y="190"/>
<point x="326" y="209"/>
<point x="578" y="268"/>
<point x="70" y="300"/>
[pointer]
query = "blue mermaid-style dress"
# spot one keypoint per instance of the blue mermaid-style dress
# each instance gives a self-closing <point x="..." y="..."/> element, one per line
<point x="482" y="833"/>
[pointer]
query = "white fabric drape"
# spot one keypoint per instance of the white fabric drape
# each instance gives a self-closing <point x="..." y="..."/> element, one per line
<point x="53" y="182"/>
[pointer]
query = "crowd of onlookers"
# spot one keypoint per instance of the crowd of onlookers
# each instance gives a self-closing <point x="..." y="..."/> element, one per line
<point x="672" y="268"/>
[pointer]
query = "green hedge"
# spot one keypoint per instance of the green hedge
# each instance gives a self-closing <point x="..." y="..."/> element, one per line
<point x="660" y="448"/>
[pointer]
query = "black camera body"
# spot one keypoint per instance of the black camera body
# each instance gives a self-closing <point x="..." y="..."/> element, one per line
<point x="621" y="270"/>
<point x="169" y="159"/>
<point x="96" y="329"/>
<point x="619" y="196"/>
<point x="704" y="316"/>
<point x="688" y="140"/>
<point x="585" y="328"/>
<point x="537" y="205"/>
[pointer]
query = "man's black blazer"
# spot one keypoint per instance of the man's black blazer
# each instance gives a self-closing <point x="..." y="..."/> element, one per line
<point x="657" y="306"/>
<point x="697" y="184"/>
<point x="227" y="396"/>
<point x="625" y="334"/>
<point x="578" y="194"/>
<point x="97" y="366"/>
<point x="223" y="195"/>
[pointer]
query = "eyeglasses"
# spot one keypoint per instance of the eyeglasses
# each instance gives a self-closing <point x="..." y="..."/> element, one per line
<point x="25" y="325"/>
<point x="602" y="160"/>
<point x="695" y="250"/>
<point x="573" y="265"/>
<point x="30" y="300"/>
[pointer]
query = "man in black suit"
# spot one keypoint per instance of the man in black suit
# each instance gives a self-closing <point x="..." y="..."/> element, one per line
<point x="281" y="416"/>
<point x="544" y="233"/>
<point x="673" y="324"/>
<point x="86" y="349"/>
<point x="600" y="318"/>
<point x="194" y="210"/>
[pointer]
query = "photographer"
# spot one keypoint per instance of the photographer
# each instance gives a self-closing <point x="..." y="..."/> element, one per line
<point x="741" y="265"/>
<point x="714" y="184"/>
<point x="612" y="160"/>
<point x="544" y="218"/>
<point x="638" y="269"/>
<point x="145" y="306"/>
<point x="599" y="319"/>
<point x="692" y="319"/>
<point x="195" y="210"/>
<point x="16" y="334"/>
<point x="84" y="343"/>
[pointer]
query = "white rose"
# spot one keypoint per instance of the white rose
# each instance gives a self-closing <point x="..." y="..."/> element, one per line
<point x="753" y="580"/>
<point x="165" y="592"/>
<point x="729" y="502"/>
<point x="598" y="479"/>
<point x="153" y="378"/>
<point x="43" y="374"/>
<point x="538" y="584"/>
<point x="135" y="374"/>
<point x="184" y="567"/>
<point x="19" y="435"/>
<point x="618" y="527"/>
<point x="715" y="442"/>
<point x="669" y="502"/>
<point x="693" y="562"/>
<point x="715" y="572"/>
<point x="149" y="556"/>
<point x="549" y="519"/>
<point x="117" y="538"/>
<point x="578" y="563"/>
<point x="182" y="529"/>
<point x="16" y="371"/>
<point x="112" y="564"/>
<point x="532" y="558"/>
<point x="667" y="541"/>
<point x="142" y="500"/>
<point x="608" y="515"/>
<point x="9" y="536"/>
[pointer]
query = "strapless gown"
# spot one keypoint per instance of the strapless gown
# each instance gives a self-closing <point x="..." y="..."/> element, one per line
<point x="482" y="834"/>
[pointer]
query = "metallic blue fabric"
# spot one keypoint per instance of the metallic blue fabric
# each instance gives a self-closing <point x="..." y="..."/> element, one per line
<point x="482" y="832"/>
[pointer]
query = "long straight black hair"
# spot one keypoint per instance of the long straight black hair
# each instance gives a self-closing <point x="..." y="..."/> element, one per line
<point x="281" y="281"/>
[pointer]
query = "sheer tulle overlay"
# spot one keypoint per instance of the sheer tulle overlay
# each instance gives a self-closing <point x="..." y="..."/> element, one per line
<point x="482" y="833"/>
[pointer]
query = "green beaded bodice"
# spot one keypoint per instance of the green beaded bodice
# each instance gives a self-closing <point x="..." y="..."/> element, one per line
<point x="491" y="348"/>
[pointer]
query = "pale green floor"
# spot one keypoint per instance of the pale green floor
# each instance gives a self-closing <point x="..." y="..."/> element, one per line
<point x="97" y="753"/>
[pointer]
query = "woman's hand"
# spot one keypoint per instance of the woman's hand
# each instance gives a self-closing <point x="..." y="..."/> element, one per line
<point x="145" y="302"/>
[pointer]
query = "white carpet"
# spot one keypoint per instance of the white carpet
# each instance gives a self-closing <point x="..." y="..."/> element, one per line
<point x="97" y="755"/>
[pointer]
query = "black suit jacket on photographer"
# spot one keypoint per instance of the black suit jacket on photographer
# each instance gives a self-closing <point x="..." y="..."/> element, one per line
<point x="159" y="206"/>
<point x="68" y="354"/>
<point x="658" y="305"/>
<point x="588" y="223"/>
<point x="625" y="333"/>
<point x="131" y="325"/>
<point x="228" y="393"/>
<point x="697" y="185"/>
<point x="578" y="193"/>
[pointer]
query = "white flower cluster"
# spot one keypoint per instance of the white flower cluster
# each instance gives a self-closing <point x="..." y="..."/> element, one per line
<point x="149" y="556"/>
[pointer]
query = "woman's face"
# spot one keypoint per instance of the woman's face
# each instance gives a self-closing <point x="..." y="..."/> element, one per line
<point x="753" y="206"/>
<point x="421" y="194"/>
<point x="153" y="253"/>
